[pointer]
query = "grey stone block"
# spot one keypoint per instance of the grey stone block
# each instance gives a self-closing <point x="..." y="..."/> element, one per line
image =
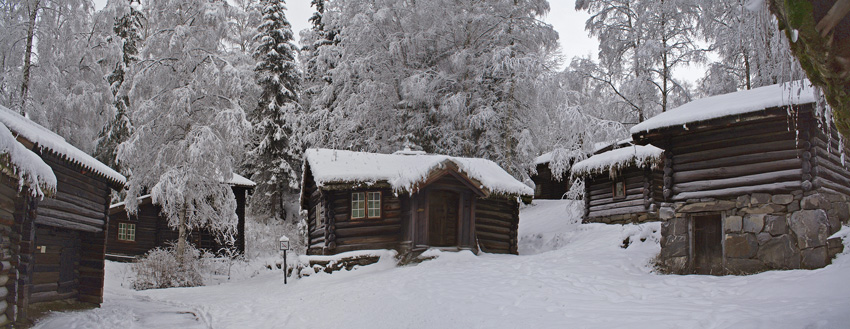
<point x="782" y="198"/>
<point x="733" y="224"/>
<point x="811" y="228"/>
<point x="674" y="246"/>
<point x="763" y="237"/>
<point x="759" y="198"/>
<point x="708" y="206"/>
<point x="814" y="258"/>
<point x="780" y="253"/>
<point x="753" y="223"/>
<point x="743" y="201"/>
<point x="744" y="266"/>
<point x="741" y="245"/>
<point x="775" y="224"/>
<point x="814" y="201"/>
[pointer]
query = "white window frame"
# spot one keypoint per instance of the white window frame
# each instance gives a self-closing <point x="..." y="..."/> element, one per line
<point x="358" y="205"/>
<point x="127" y="232"/>
<point x="371" y="199"/>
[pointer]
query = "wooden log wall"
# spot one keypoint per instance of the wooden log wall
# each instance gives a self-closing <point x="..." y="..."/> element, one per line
<point x="496" y="224"/>
<point x="734" y="159"/>
<point x="146" y="220"/>
<point x="343" y="234"/>
<point x="80" y="202"/>
<point x="56" y="272"/>
<point x="601" y="202"/>
<point x="15" y="210"/>
<point x="547" y="187"/>
<point x="829" y="161"/>
<point x="92" y="263"/>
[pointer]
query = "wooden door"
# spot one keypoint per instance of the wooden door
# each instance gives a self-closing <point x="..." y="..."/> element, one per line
<point x="443" y="218"/>
<point x="708" y="253"/>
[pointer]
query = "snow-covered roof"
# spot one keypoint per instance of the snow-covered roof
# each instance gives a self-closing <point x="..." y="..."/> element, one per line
<point x="404" y="172"/>
<point x="25" y="165"/>
<point x="48" y="140"/>
<point x="741" y="102"/>
<point x="239" y="180"/>
<point x="611" y="161"/>
<point x="543" y="158"/>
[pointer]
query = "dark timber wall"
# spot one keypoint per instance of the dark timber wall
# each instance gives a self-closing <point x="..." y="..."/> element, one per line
<point x="486" y="223"/>
<point x="546" y="186"/>
<point x="643" y="193"/>
<point x="152" y="230"/>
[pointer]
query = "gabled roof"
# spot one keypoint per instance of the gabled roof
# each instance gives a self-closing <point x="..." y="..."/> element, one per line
<point x="47" y="140"/>
<point x="614" y="160"/>
<point x="239" y="180"/>
<point x="20" y="163"/>
<point x="406" y="171"/>
<point x="737" y="103"/>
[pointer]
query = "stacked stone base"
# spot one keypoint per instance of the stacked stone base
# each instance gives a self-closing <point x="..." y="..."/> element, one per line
<point x="760" y="231"/>
<point x="631" y="218"/>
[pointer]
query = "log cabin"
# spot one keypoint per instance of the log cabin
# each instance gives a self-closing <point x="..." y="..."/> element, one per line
<point x="408" y="201"/>
<point x="546" y="184"/>
<point x="57" y="243"/>
<point x="753" y="180"/>
<point x="622" y="183"/>
<point x="131" y="236"/>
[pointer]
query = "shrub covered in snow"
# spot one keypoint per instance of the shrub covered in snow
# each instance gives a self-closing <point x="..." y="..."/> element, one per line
<point x="159" y="268"/>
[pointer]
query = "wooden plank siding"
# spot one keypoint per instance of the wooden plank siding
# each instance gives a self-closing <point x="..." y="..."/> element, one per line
<point x="364" y="233"/>
<point x="601" y="202"/>
<point x="496" y="224"/>
<point x="546" y="186"/>
<point x="736" y="158"/>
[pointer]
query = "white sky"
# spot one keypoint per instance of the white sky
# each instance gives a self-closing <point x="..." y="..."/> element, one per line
<point x="569" y="23"/>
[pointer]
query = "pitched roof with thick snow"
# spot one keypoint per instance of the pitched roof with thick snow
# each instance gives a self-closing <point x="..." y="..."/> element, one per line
<point x="50" y="141"/>
<point x="616" y="159"/>
<point x="239" y="180"/>
<point x="741" y="102"/>
<point x="404" y="171"/>
<point x="25" y="165"/>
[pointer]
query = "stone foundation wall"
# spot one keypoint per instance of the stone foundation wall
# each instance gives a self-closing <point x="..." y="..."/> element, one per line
<point x="760" y="231"/>
<point x="641" y="217"/>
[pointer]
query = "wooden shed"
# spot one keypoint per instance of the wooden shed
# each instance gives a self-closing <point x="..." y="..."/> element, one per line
<point x="753" y="180"/>
<point x="622" y="183"/>
<point x="134" y="235"/>
<point x="409" y="201"/>
<point x="546" y="184"/>
<point x="59" y="242"/>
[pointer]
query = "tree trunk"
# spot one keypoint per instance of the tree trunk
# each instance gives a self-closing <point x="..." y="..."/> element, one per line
<point x="181" y="233"/>
<point x="25" y="80"/>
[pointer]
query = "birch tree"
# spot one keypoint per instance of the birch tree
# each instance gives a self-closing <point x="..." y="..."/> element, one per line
<point x="190" y="130"/>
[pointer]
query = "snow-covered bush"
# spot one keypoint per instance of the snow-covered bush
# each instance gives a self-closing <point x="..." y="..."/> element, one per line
<point x="159" y="268"/>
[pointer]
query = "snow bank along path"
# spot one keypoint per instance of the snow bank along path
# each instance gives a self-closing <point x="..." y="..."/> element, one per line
<point x="587" y="282"/>
<point x="404" y="170"/>
<point x="49" y="140"/>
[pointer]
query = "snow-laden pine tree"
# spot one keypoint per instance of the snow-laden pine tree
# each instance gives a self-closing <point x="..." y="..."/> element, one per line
<point x="189" y="128"/>
<point x="277" y="156"/>
<point x="317" y="61"/>
<point x="466" y="86"/>
<point x="127" y="28"/>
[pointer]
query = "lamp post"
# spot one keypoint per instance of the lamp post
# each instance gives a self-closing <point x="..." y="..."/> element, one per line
<point x="284" y="246"/>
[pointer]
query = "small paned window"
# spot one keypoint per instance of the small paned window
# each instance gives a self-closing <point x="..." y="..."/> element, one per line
<point x="320" y="216"/>
<point x="373" y="204"/>
<point x="358" y="205"/>
<point x="619" y="189"/>
<point x="126" y="231"/>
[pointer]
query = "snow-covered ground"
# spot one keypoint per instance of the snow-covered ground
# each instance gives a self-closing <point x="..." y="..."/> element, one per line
<point x="568" y="276"/>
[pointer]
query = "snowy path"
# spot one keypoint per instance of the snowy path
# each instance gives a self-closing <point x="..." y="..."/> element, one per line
<point x="589" y="282"/>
